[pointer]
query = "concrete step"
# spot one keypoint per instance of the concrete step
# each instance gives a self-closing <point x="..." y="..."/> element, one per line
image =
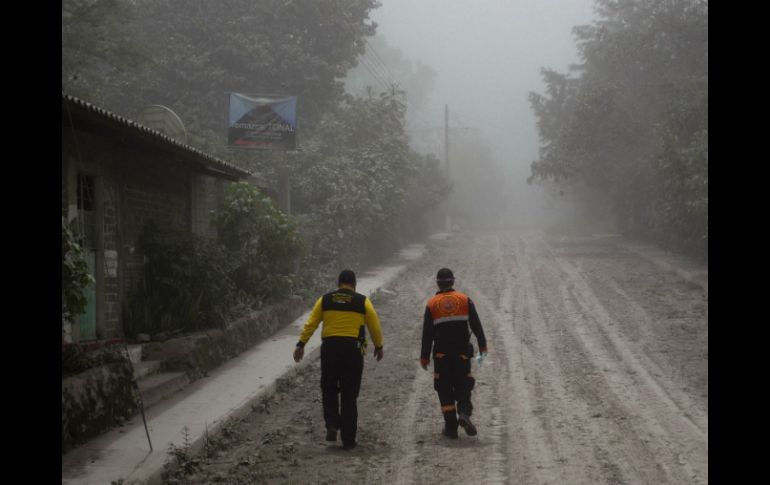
<point x="135" y="353"/>
<point x="154" y="388"/>
<point x="146" y="368"/>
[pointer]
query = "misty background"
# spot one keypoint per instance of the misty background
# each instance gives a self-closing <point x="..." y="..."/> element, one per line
<point x="575" y="117"/>
<point x="486" y="57"/>
<point x="531" y="130"/>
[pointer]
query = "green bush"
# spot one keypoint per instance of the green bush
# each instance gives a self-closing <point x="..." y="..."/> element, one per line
<point x="75" y="276"/>
<point x="186" y="284"/>
<point x="263" y="243"/>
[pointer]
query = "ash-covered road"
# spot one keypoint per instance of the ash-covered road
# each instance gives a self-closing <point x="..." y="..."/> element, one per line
<point x="597" y="374"/>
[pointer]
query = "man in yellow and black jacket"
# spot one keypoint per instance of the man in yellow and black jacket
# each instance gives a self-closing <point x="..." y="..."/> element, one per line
<point x="343" y="344"/>
<point x="448" y="314"/>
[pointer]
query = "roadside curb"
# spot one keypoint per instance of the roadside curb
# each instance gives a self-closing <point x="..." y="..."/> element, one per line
<point x="407" y="255"/>
<point x="197" y="444"/>
<point x="230" y="392"/>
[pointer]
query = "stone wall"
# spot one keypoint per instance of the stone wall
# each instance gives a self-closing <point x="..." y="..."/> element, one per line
<point x="101" y="398"/>
<point x="95" y="401"/>
<point x="202" y="352"/>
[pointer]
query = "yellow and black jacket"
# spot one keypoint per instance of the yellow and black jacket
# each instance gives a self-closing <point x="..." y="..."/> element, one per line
<point x="344" y="313"/>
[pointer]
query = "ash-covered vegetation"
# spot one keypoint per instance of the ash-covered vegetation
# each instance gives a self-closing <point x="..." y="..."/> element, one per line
<point x="358" y="191"/>
<point x="628" y="126"/>
<point x="624" y="132"/>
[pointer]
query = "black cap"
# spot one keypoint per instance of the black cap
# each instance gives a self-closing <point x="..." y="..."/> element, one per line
<point x="347" y="277"/>
<point x="445" y="275"/>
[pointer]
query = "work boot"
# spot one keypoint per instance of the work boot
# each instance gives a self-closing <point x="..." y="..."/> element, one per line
<point x="449" y="433"/>
<point x="331" y="434"/>
<point x="349" y="445"/>
<point x="465" y="421"/>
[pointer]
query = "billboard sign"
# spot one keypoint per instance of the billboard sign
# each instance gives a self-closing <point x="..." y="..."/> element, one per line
<point x="264" y="122"/>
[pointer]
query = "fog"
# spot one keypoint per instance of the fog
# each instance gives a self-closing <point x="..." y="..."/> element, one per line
<point x="602" y="105"/>
<point x="487" y="56"/>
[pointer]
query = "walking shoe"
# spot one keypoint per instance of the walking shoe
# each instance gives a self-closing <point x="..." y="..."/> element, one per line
<point x="465" y="422"/>
<point x="449" y="433"/>
<point x="331" y="434"/>
<point x="349" y="445"/>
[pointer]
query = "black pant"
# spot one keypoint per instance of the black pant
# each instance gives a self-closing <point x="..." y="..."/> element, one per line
<point x="453" y="381"/>
<point x="341" y="368"/>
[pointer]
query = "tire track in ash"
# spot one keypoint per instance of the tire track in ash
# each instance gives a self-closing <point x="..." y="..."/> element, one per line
<point x="677" y="437"/>
<point x="554" y="419"/>
<point x="581" y="403"/>
<point x="529" y="455"/>
<point x="410" y="421"/>
<point x="553" y="403"/>
<point x="592" y="440"/>
<point x="415" y="450"/>
<point x="670" y="392"/>
<point x="424" y="455"/>
<point x="545" y="422"/>
<point x="395" y="463"/>
<point x="493" y="385"/>
<point x="660" y="446"/>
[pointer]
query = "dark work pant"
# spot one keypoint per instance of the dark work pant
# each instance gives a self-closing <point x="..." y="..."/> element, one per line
<point x="453" y="381"/>
<point x="341" y="368"/>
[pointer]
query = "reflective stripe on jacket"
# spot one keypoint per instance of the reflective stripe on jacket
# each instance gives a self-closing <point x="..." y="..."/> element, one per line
<point x="448" y="307"/>
<point x="450" y="317"/>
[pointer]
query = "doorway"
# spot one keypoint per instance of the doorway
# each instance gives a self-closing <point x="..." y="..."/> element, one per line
<point x="86" y="220"/>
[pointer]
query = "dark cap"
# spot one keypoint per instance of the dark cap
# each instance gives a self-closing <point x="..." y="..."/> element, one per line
<point x="445" y="275"/>
<point x="347" y="277"/>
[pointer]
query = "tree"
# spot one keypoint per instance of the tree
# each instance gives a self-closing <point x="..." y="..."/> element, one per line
<point x="192" y="53"/>
<point x="263" y="240"/>
<point x="383" y="67"/>
<point x="356" y="178"/>
<point x="355" y="175"/>
<point x="630" y="121"/>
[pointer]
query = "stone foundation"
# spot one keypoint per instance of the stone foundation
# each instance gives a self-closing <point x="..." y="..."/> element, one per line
<point x="95" y="401"/>
<point x="205" y="351"/>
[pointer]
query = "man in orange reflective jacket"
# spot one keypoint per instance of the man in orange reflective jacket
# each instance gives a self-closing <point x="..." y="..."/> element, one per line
<point x="445" y="329"/>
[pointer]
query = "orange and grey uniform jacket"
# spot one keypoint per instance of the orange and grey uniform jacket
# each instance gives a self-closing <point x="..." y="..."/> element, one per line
<point x="344" y="313"/>
<point x="448" y="315"/>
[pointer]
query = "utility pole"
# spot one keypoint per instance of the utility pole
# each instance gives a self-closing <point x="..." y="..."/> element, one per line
<point x="285" y="184"/>
<point x="448" y="219"/>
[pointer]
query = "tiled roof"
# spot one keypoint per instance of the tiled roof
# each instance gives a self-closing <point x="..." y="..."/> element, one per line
<point x="70" y="102"/>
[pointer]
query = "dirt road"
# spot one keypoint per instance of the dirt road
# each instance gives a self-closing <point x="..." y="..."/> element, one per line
<point x="597" y="374"/>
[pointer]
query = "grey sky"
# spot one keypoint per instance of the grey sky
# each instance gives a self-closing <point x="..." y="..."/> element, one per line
<point x="487" y="55"/>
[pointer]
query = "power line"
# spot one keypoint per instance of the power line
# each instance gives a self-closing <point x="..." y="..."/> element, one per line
<point x="370" y="59"/>
<point x="382" y="64"/>
<point x="366" y="63"/>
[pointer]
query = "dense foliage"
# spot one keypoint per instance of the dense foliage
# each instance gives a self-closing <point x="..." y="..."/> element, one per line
<point x="361" y="188"/>
<point x="188" y="54"/>
<point x="191" y="283"/>
<point x="262" y="243"/>
<point x="186" y="284"/>
<point x="75" y="276"/>
<point x="631" y="121"/>
<point x="358" y="190"/>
